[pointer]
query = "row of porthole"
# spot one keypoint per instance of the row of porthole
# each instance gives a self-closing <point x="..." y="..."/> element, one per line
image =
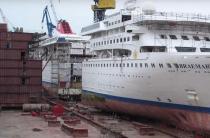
<point x="125" y="65"/>
<point x="120" y="75"/>
<point x="184" y="37"/>
<point x="112" y="23"/>
<point x="118" y="40"/>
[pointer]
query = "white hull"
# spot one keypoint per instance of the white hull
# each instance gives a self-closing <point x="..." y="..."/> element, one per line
<point x="184" y="88"/>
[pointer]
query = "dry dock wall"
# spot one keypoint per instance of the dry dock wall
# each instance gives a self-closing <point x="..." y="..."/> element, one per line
<point x="20" y="76"/>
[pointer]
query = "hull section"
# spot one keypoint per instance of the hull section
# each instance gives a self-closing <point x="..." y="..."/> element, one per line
<point x="185" y="117"/>
<point x="171" y="87"/>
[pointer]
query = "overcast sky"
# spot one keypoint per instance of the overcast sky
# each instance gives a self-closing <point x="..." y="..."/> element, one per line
<point x="28" y="13"/>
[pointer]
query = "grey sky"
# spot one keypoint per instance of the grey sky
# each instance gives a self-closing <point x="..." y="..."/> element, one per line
<point x="28" y="13"/>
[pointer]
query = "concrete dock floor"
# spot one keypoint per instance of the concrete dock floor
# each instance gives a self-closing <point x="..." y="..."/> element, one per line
<point x="14" y="125"/>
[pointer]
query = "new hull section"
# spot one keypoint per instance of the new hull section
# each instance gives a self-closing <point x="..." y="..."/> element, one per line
<point x="185" y="117"/>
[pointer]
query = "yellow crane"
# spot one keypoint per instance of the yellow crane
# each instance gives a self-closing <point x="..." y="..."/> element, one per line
<point x="100" y="7"/>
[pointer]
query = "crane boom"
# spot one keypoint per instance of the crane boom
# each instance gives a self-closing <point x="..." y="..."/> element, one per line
<point x="3" y="16"/>
<point x="53" y="9"/>
<point x="50" y="25"/>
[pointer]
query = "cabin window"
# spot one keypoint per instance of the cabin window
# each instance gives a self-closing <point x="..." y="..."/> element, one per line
<point x="153" y="49"/>
<point x="131" y="64"/>
<point x="117" y="40"/>
<point x="114" y="41"/>
<point x="135" y="38"/>
<point x="124" y="39"/>
<point x="127" y="64"/>
<point x="153" y="65"/>
<point x="136" y="65"/>
<point x="104" y="42"/>
<point x="110" y="41"/>
<point x="128" y="38"/>
<point x="185" y="49"/>
<point x="196" y="38"/>
<point x="126" y="17"/>
<point x="140" y="64"/>
<point x="184" y="37"/>
<point x="207" y="38"/>
<point x="146" y="65"/>
<point x="121" y="39"/>
<point x="205" y="49"/>
<point x="163" y="36"/>
<point x="173" y="37"/>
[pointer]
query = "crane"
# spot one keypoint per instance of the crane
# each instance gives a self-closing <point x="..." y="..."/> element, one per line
<point x="50" y="25"/>
<point x="100" y="8"/>
<point x="5" y="20"/>
<point x="62" y="27"/>
<point x="53" y="9"/>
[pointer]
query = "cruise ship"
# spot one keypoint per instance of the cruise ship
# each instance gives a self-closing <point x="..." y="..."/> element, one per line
<point x="150" y="63"/>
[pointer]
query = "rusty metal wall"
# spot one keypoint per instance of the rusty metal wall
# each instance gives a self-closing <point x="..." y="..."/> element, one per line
<point x="20" y="77"/>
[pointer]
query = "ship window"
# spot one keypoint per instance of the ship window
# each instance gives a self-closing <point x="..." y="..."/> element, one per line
<point x="136" y="65"/>
<point x="163" y="36"/>
<point x="116" y="65"/>
<point x="172" y="36"/>
<point x="113" y="65"/>
<point x="124" y="39"/>
<point x="117" y="40"/>
<point x="104" y="42"/>
<point x="120" y="64"/>
<point x="127" y="64"/>
<point x="135" y="37"/>
<point x="205" y="49"/>
<point x="118" y="21"/>
<point x="185" y="49"/>
<point x="110" y="41"/>
<point x="109" y="24"/>
<point x="128" y="38"/>
<point x="153" y="49"/>
<point x="114" y="41"/>
<point x="140" y="64"/>
<point x="121" y="40"/>
<point x="146" y="65"/>
<point x="126" y="17"/>
<point x="112" y="23"/>
<point x="196" y="38"/>
<point x="184" y="37"/>
<point x="115" y="22"/>
<point x="131" y="64"/>
<point x="123" y="64"/>
<point x="207" y="38"/>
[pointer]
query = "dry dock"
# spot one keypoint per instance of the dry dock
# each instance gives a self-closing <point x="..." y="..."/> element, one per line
<point x="15" y="125"/>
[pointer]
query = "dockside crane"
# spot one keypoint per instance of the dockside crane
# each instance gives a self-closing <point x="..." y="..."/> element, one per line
<point x="100" y="7"/>
<point x="50" y="25"/>
<point x="6" y="21"/>
<point x="62" y="26"/>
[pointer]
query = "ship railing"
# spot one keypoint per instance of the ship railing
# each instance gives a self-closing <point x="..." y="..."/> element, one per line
<point x="138" y="17"/>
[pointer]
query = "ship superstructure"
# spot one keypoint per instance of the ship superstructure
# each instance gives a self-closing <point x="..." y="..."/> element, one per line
<point x="152" y="64"/>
